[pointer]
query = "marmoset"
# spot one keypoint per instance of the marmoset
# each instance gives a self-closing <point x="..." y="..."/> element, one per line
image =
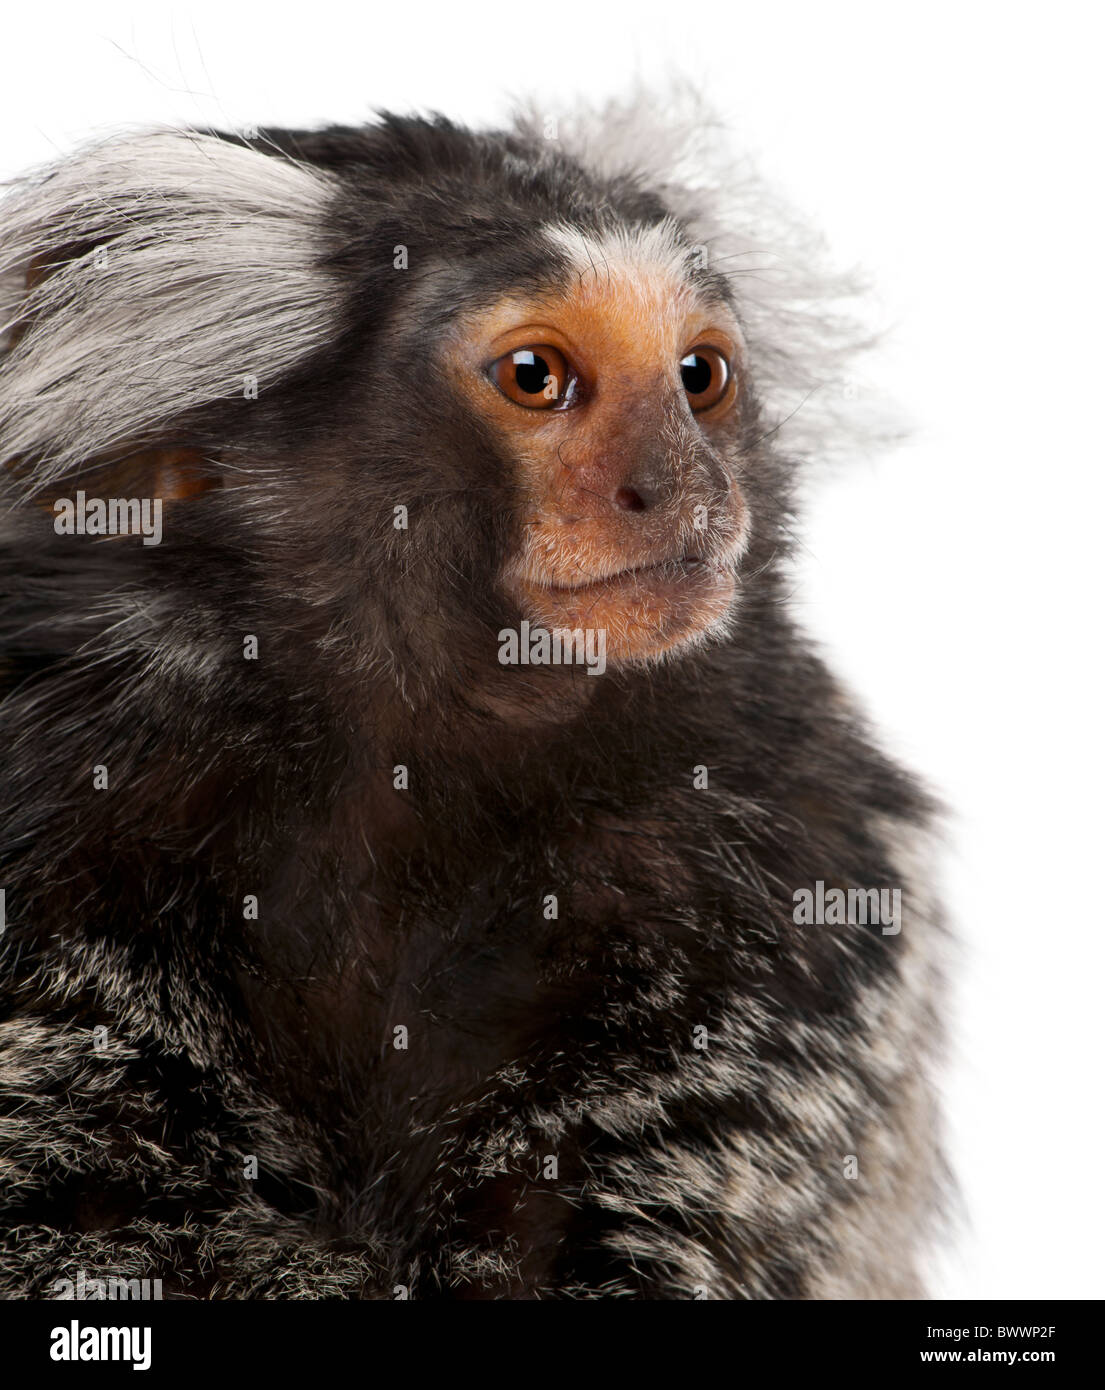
<point x="436" y="863"/>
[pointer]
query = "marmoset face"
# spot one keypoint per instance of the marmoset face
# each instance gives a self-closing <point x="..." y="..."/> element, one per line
<point x="618" y="393"/>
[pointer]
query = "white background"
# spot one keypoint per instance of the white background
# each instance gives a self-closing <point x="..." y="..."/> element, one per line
<point x="953" y="152"/>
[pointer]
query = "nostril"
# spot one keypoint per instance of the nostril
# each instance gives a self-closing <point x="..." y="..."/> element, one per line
<point x="629" y="500"/>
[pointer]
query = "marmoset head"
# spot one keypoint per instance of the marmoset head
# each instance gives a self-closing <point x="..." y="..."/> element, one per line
<point x="404" y="387"/>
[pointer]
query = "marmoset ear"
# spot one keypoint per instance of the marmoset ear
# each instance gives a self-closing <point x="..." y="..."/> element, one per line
<point x="168" y="476"/>
<point x="141" y="282"/>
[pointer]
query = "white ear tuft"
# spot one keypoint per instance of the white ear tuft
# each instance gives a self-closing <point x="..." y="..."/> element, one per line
<point x="147" y="276"/>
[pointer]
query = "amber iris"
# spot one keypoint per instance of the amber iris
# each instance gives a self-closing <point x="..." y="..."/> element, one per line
<point x="706" y="377"/>
<point x="537" y="377"/>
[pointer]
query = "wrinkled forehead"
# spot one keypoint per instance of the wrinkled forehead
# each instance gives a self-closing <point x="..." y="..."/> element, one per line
<point x="642" y="291"/>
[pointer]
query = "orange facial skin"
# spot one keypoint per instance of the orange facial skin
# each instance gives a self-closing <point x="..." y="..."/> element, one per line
<point x="630" y="519"/>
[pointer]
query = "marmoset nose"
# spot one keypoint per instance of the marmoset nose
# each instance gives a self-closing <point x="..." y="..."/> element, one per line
<point x="629" y="499"/>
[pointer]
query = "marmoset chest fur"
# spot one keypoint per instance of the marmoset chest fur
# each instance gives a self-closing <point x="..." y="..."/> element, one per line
<point x="409" y="842"/>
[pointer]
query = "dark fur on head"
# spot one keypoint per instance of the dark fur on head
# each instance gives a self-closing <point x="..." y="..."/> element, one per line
<point x="679" y="1168"/>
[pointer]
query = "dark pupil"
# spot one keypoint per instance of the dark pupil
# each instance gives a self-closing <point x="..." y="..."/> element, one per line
<point x="696" y="374"/>
<point x="530" y="372"/>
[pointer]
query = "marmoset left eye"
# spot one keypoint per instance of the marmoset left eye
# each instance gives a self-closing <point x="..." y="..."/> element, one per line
<point x="706" y="377"/>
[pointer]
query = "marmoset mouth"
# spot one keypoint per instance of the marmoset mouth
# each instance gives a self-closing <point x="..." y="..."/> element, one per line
<point x="646" y="610"/>
<point x="684" y="567"/>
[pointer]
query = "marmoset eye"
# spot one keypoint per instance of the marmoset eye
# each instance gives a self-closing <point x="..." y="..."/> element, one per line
<point x="706" y="377"/>
<point x="537" y="377"/>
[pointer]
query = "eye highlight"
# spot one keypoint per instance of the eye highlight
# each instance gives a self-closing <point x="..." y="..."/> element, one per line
<point x="536" y="377"/>
<point x="706" y="376"/>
